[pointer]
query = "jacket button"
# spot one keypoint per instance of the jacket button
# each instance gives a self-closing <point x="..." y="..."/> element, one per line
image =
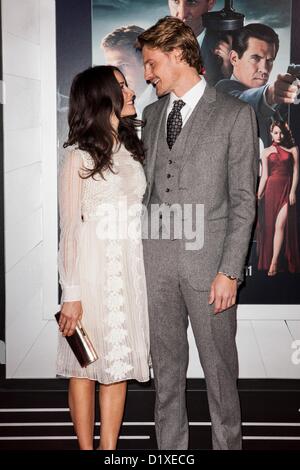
<point x="167" y="190"/>
<point x="170" y="162"/>
<point x="168" y="175"/>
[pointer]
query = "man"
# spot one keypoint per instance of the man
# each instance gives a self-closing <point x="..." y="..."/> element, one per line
<point x="190" y="12"/>
<point x="120" y="50"/>
<point x="201" y="149"/>
<point x="254" y="49"/>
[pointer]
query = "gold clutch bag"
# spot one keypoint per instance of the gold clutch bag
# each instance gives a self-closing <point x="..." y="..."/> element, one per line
<point x="81" y="345"/>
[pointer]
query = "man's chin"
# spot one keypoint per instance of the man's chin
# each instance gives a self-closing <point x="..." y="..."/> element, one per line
<point x="158" y="92"/>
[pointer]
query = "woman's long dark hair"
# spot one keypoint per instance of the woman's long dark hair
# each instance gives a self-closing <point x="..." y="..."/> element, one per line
<point x="287" y="139"/>
<point x="95" y="96"/>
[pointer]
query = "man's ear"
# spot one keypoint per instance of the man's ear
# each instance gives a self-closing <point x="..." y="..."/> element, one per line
<point x="211" y="4"/>
<point x="177" y="54"/>
<point x="233" y="57"/>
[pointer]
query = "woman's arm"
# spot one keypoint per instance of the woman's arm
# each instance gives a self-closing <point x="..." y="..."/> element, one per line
<point x="70" y="187"/>
<point x="264" y="174"/>
<point x="295" y="154"/>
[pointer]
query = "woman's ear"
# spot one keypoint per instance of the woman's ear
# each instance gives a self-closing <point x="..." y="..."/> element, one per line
<point x="114" y="120"/>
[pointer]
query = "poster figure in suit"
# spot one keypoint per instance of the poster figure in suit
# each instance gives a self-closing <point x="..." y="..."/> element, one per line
<point x="214" y="49"/>
<point x="120" y="50"/>
<point x="197" y="154"/>
<point x="254" y="50"/>
<point x="190" y="12"/>
<point x="278" y="247"/>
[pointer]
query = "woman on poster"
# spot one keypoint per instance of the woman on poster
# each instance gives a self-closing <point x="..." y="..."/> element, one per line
<point x="101" y="268"/>
<point x="277" y="236"/>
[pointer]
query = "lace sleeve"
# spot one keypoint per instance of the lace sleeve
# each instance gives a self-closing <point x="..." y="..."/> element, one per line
<point x="69" y="195"/>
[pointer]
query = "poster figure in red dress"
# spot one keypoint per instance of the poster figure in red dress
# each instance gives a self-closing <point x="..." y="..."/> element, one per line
<point x="277" y="237"/>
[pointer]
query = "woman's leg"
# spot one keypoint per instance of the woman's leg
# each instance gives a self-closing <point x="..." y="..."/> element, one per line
<point x="278" y="238"/>
<point x="112" y="401"/>
<point x="82" y="409"/>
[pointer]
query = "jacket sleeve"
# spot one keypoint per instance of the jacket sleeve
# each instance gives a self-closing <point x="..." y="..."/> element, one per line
<point x="243" y="157"/>
<point x="256" y="97"/>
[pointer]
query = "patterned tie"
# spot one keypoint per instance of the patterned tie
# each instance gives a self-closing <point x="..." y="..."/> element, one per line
<point x="174" y="123"/>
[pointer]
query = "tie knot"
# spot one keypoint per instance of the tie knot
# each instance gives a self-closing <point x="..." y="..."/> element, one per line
<point x="178" y="105"/>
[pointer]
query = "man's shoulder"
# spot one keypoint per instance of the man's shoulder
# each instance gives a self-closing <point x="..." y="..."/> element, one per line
<point x="231" y="102"/>
<point x="226" y="85"/>
<point x="252" y="96"/>
<point x="152" y="108"/>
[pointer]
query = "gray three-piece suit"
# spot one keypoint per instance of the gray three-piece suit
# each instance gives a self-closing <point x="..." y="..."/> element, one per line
<point x="213" y="162"/>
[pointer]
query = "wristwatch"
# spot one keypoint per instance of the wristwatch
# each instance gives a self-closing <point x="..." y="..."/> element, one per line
<point x="232" y="278"/>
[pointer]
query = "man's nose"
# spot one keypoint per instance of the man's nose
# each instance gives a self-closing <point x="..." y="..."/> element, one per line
<point x="182" y="12"/>
<point x="147" y="74"/>
<point x="264" y="66"/>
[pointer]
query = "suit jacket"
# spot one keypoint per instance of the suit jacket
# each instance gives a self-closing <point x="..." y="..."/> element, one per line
<point x="255" y="97"/>
<point x="218" y="170"/>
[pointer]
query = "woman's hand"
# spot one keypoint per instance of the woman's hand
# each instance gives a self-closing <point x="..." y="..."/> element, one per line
<point x="70" y="313"/>
<point x="292" y="198"/>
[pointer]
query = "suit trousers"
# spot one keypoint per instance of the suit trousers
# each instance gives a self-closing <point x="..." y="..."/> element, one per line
<point x="172" y="303"/>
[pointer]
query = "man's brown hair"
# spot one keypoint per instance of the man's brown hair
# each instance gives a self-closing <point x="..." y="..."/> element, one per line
<point x="170" y="33"/>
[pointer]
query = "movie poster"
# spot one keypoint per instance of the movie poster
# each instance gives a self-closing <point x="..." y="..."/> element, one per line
<point x="273" y="265"/>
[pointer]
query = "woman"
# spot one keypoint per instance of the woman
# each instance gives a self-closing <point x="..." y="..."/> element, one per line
<point x="277" y="231"/>
<point x="101" y="267"/>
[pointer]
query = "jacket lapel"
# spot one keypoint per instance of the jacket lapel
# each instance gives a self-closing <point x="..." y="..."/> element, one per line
<point x="154" y="130"/>
<point x="200" y="118"/>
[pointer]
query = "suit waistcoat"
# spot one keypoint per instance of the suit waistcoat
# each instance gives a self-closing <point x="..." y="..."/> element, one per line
<point x="168" y="164"/>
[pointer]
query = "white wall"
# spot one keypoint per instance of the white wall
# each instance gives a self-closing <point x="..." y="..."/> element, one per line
<point x="30" y="168"/>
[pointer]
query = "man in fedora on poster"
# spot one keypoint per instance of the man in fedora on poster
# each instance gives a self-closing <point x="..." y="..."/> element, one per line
<point x="201" y="151"/>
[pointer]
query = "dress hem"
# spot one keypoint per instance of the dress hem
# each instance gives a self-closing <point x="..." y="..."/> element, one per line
<point x="70" y="376"/>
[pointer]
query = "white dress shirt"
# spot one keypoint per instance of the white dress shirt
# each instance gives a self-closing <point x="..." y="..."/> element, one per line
<point x="191" y="99"/>
<point x="201" y="37"/>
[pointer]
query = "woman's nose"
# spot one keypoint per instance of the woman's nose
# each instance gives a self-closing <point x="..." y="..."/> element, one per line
<point x="130" y="92"/>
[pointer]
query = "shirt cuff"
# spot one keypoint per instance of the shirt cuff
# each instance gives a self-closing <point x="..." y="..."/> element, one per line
<point x="239" y="280"/>
<point x="227" y="274"/>
<point x="71" y="294"/>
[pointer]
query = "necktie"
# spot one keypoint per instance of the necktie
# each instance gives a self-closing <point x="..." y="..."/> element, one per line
<point x="174" y="123"/>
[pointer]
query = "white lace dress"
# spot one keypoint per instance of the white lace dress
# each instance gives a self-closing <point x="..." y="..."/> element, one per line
<point x="101" y="264"/>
